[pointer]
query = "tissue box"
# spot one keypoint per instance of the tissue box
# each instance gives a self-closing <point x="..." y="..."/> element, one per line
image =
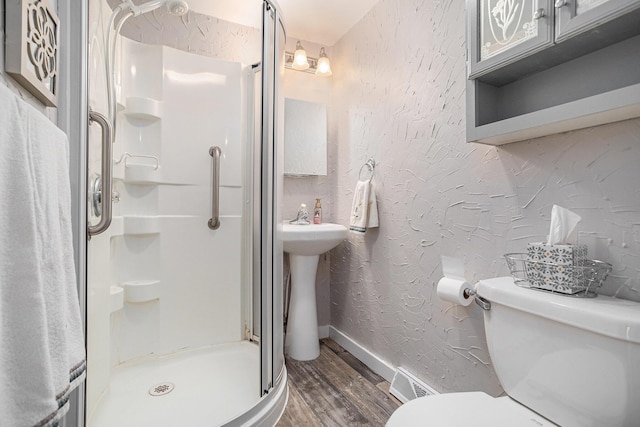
<point x="557" y="268"/>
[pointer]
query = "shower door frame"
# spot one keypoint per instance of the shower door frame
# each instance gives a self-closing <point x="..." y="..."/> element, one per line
<point x="73" y="119"/>
<point x="267" y="196"/>
<point x="272" y="368"/>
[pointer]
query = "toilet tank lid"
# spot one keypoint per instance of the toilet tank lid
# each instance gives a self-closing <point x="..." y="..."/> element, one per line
<point x="613" y="317"/>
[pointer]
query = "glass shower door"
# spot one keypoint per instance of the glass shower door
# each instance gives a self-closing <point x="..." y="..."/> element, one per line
<point x="161" y="281"/>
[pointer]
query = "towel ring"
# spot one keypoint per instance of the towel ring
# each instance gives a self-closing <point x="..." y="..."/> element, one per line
<point x="371" y="165"/>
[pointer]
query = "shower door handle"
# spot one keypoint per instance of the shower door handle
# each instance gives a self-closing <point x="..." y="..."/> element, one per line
<point x="106" y="169"/>
<point x="214" y="222"/>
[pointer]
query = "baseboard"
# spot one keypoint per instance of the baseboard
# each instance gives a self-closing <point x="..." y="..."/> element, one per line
<point x="373" y="361"/>
<point x="323" y="331"/>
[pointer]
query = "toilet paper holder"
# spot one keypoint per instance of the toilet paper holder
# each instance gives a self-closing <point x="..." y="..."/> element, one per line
<point x="483" y="303"/>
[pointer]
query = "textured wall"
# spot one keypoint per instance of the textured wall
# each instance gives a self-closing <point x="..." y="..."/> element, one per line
<point x="398" y="95"/>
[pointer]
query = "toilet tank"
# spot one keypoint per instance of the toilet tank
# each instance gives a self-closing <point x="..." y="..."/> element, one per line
<point x="575" y="361"/>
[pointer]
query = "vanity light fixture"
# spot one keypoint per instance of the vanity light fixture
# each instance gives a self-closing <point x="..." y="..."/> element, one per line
<point x="301" y="62"/>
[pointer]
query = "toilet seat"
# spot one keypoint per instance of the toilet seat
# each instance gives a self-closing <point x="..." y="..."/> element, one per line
<point x="475" y="409"/>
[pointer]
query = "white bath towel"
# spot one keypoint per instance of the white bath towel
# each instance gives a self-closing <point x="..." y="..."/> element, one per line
<point x="364" y="210"/>
<point x="42" y="356"/>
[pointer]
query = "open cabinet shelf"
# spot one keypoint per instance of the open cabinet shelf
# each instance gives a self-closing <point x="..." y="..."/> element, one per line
<point x="608" y="107"/>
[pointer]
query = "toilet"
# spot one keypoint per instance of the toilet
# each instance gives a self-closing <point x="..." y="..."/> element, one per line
<point x="566" y="361"/>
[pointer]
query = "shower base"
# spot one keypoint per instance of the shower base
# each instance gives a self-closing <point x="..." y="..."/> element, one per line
<point x="212" y="386"/>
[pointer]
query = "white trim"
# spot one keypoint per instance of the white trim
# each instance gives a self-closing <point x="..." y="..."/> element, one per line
<point x="323" y="331"/>
<point x="373" y="361"/>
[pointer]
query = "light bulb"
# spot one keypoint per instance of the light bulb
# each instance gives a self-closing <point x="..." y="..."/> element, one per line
<point x="324" y="66"/>
<point x="300" y="58"/>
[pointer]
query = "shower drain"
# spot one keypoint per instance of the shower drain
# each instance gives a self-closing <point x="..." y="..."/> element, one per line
<point x="161" y="389"/>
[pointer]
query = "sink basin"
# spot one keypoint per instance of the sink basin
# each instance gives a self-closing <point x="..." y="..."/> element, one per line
<point x="312" y="239"/>
<point x="305" y="243"/>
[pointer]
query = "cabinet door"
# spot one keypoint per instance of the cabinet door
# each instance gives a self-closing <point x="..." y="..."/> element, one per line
<point x="503" y="31"/>
<point x="576" y="16"/>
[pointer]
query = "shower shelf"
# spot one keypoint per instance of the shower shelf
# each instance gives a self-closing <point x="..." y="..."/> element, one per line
<point x="142" y="174"/>
<point x="140" y="108"/>
<point x="137" y="173"/>
<point x="117" y="299"/>
<point x="141" y="225"/>
<point x="138" y="291"/>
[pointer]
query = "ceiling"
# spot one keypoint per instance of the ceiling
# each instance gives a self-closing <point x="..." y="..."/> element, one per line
<point x="323" y="22"/>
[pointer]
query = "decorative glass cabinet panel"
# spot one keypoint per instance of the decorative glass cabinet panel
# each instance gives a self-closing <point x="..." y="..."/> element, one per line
<point x="505" y="24"/>
<point x="584" y="5"/>
<point x="576" y="16"/>
<point x="502" y="31"/>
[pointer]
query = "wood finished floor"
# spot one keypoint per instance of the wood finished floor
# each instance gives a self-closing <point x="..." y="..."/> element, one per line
<point x="336" y="389"/>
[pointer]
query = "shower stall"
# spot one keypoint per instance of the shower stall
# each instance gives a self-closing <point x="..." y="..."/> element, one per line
<point x="184" y="177"/>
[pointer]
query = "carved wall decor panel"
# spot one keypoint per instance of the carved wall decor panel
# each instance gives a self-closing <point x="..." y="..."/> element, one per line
<point x="32" y="47"/>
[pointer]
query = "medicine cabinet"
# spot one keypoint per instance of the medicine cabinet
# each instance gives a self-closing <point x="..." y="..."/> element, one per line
<point x="305" y="138"/>
<point x="538" y="67"/>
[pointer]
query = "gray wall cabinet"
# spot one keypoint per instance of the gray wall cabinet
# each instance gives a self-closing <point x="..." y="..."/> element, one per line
<point x="538" y="67"/>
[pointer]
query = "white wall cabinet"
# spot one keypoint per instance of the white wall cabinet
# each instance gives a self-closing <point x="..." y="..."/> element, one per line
<point x="538" y="67"/>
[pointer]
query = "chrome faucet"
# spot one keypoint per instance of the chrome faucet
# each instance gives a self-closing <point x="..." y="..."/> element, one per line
<point x="303" y="216"/>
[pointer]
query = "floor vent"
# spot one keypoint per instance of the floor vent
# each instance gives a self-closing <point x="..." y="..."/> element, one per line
<point x="406" y="387"/>
<point x="161" y="389"/>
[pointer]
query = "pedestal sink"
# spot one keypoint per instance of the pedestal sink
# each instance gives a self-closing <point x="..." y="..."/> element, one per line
<point x="304" y="244"/>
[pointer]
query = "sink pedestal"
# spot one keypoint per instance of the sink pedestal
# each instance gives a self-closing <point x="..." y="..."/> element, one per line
<point x="302" y="325"/>
<point x="304" y="244"/>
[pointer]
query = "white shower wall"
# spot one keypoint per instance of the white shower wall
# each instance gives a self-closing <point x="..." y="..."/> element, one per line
<point x="175" y="105"/>
<point x="198" y="269"/>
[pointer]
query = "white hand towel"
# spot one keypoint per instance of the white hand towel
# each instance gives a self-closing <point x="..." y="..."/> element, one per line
<point x="42" y="356"/>
<point x="364" y="210"/>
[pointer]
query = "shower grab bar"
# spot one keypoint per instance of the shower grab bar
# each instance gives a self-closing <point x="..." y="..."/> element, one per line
<point x="214" y="222"/>
<point x="106" y="169"/>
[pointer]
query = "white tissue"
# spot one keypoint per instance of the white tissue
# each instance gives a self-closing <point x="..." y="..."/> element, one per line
<point x="564" y="226"/>
<point x="453" y="290"/>
<point x="453" y="285"/>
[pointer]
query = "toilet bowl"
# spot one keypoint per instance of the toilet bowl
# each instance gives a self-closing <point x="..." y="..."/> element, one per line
<point x="571" y="362"/>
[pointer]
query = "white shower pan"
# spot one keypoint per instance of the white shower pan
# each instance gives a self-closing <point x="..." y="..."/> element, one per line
<point x="202" y="379"/>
